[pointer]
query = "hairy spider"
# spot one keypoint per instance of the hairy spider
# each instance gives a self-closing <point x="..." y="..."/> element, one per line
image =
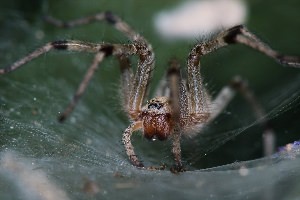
<point x="185" y="107"/>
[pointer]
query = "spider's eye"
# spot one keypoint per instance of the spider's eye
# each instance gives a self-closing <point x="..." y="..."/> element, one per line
<point x="155" y="105"/>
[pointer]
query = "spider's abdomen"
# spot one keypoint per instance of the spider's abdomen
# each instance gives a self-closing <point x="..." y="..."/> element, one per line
<point x="157" y="126"/>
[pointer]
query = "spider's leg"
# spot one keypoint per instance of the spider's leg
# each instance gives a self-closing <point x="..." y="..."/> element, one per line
<point x="139" y="83"/>
<point x="141" y="78"/>
<point x="240" y="34"/>
<point x="107" y="16"/>
<point x="126" y="139"/>
<point x="82" y="87"/>
<point x="162" y="88"/>
<point x="220" y="102"/>
<point x="225" y="96"/>
<point x="178" y="107"/>
<point x="174" y="81"/>
<point x="126" y="79"/>
<point x="71" y="45"/>
<point x="176" y="150"/>
<point x="27" y="58"/>
<point x="101" y="51"/>
<point x="198" y="98"/>
<point x="242" y="87"/>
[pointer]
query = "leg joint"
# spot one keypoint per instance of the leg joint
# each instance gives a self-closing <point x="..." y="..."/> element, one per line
<point x="231" y="34"/>
<point x="110" y="17"/>
<point x="60" y="44"/>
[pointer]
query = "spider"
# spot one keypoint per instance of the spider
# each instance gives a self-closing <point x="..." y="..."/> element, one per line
<point x="183" y="107"/>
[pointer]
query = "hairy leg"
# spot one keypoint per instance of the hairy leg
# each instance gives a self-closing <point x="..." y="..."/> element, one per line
<point x="239" y="34"/>
<point x="101" y="51"/>
<point x="72" y="45"/>
<point x="126" y="79"/>
<point x="126" y="139"/>
<point x="220" y="102"/>
<point x="242" y="35"/>
<point x="135" y="86"/>
<point x="107" y="16"/>
<point x="179" y="107"/>
<point x="83" y="85"/>
<point x="144" y="50"/>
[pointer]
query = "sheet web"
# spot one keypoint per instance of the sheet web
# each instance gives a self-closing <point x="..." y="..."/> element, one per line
<point x="84" y="158"/>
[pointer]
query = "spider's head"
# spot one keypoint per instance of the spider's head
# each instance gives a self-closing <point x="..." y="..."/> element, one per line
<point x="157" y="120"/>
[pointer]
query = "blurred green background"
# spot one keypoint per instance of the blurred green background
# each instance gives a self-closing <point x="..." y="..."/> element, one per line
<point x="32" y="97"/>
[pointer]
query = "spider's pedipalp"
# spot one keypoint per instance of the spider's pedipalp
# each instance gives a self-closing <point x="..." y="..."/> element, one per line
<point x="126" y="139"/>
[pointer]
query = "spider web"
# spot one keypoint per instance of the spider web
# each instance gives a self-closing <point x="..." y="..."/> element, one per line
<point x="280" y="109"/>
<point x="84" y="158"/>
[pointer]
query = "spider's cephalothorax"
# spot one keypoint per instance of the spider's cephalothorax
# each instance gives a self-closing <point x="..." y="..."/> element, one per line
<point x="157" y="119"/>
<point x="186" y="108"/>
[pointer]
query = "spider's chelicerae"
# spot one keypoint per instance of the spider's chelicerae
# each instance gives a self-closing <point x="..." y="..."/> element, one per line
<point x="184" y="107"/>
